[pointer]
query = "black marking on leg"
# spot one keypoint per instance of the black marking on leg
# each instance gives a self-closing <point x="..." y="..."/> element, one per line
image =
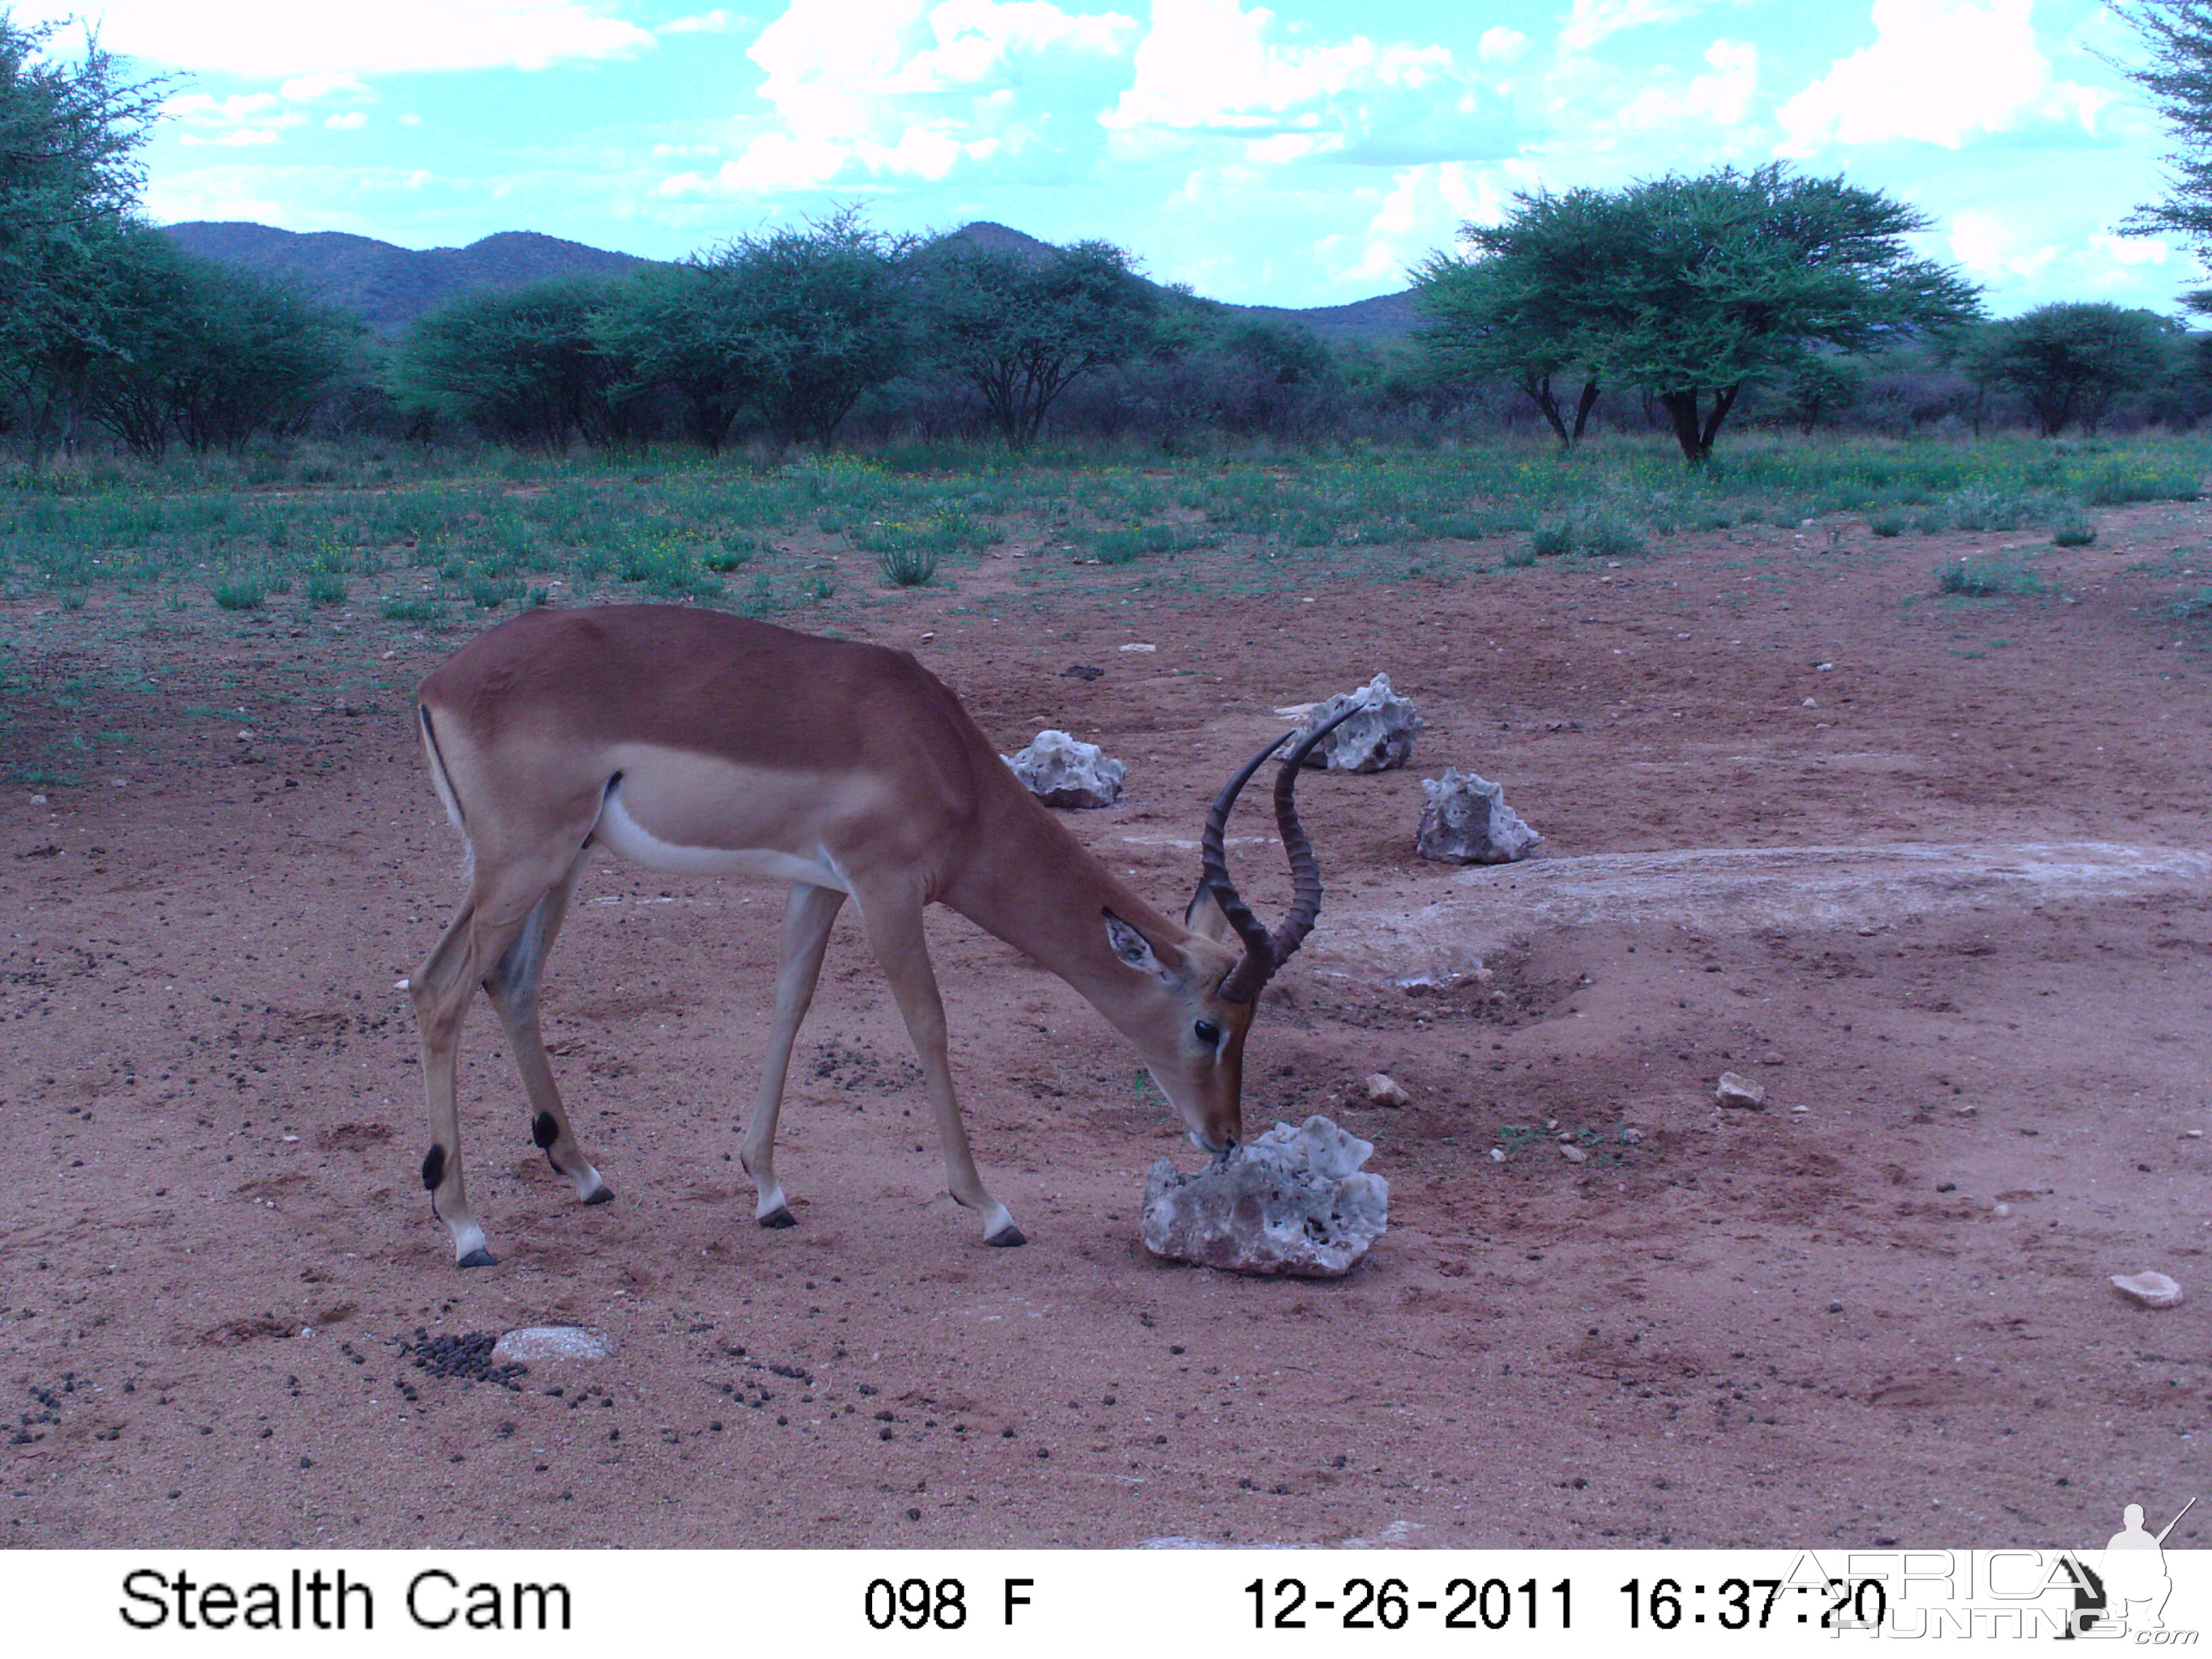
<point x="780" y="1216"/>
<point x="543" y="1130"/>
<point x="433" y="1168"/>
<point x="1006" y="1238"/>
<point x="479" y="1257"/>
<point x="601" y="1194"/>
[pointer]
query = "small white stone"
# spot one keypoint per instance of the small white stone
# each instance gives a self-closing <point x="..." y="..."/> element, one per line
<point x="1740" y="1092"/>
<point x="2001" y="1209"/>
<point x="2152" y="1289"/>
<point x="1966" y="1109"/>
<point x="1808" y="703"/>
<point x="533" y="1343"/>
<point x="1134" y="646"/>
<point x="38" y="800"/>
<point x="1497" y="1155"/>
<point x="1574" y="1154"/>
<point x="1800" y="1108"/>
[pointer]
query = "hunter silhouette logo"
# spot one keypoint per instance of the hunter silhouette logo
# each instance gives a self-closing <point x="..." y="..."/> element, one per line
<point x="2135" y="1569"/>
<point x="2127" y="1591"/>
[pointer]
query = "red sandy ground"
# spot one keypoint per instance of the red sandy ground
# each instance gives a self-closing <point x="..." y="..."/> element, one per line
<point x="1885" y="1317"/>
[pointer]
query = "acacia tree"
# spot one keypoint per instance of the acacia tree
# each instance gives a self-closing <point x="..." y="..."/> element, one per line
<point x="521" y="364"/>
<point x="1021" y="329"/>
<point x="1694" y="288"/>
<point x="2071" y="360"/>
<point x="688" y="328"/>
<point x="69" y="177"/>
<point x="2179" y="78"/>
<point x="1511" y="309"/>
<point x="812" y="317"/>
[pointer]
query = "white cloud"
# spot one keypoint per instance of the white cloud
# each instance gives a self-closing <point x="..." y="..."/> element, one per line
<point x="1940" y="71"/>
<point x="1592" y="21"/>
<point x="908" y="90"/>
<point x="347" y="121"/>
<point x="1502" y="46"/>
<point x="340" y="86"/>
<point x="1205" y="66"/>
<point x="706" y="22"/>
<point x="269" y="38"/>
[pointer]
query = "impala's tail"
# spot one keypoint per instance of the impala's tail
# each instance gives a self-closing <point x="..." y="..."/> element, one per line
<point x="443" y="782"/>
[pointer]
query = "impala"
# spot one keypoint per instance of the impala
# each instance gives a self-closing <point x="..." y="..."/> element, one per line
<point x="700" y="743"/>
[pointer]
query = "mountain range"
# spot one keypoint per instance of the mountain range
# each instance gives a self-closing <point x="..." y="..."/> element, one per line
<point x="388" y="286"/>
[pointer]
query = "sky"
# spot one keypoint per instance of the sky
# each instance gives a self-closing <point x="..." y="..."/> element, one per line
<point x="1305" y="154"/>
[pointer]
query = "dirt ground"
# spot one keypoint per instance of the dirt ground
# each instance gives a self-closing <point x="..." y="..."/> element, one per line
<point x="1934" y="871"/>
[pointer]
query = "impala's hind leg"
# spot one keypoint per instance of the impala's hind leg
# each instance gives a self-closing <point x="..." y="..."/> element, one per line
<point x="513" y="985"/>
<point x="808" y="914"/>
<point x="441" y="989"/>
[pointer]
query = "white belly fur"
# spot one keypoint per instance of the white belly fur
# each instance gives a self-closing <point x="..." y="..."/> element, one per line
<point x="619" y="830"/>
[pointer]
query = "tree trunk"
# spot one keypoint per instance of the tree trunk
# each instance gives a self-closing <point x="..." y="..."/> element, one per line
<point x="1695" y="437"/>
<point x="1583" y="404"/>
<point x="1539" y="388"/>
<point x="1681" y="409"/>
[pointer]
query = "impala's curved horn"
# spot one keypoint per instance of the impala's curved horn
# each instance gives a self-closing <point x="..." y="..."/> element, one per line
<point x="1214" y="861"/>
<point x="1265" y="952"/>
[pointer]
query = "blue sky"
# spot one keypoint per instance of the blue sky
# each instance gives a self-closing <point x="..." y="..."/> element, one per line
<point x="1300" y="155"/>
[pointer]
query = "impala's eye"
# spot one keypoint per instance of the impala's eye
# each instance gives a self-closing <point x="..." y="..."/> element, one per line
<point x="1207" y="1032"/>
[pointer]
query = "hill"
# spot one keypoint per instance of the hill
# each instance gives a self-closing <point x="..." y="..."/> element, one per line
<point x="389" y="286"/>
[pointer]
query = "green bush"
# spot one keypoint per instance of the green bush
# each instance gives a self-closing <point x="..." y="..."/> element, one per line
<point x="488" y="594"/>
<point x="908" y="566"/>
<point x="2000" y="575"/>
<point x="245" y="595"/>
<point x="2073" y="530"/>
<point x="1551" y="541"/>
<point x="412" y="611"/>
<point x="1888" y="522"/>
<point x="2116" y="483"/>
<point x="734" y="551"/>
<point x="325" y="588"/>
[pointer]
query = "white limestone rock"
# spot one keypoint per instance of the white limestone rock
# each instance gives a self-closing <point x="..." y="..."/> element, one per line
<point x="534" y="1345"/>
<point x="1378" y="739"/>
<point x="1466" y="820"/>
<point x="1740" y="1092"/>
<point x="1293" y="1201"/>
<point x="2152" y="1289"/>
<point x="1060" y="770"/>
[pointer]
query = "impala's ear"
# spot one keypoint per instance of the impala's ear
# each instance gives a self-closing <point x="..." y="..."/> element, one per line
<point x="1134" y="949"/>
<point x="1203" y="914"/>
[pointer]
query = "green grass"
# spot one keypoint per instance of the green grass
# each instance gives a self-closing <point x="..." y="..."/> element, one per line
<point x="492" y="530"/>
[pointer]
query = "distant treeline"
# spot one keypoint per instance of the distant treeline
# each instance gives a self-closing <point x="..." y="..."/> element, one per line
<point x="1586" y="305"/>
<point x="834" y="332"/>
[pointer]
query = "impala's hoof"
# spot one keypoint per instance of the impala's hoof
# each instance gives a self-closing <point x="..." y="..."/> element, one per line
<point x="780" y="1216"/>
<point x="479" y="1257"/>
<point x="602" y="1193"/>
<point x="1006" y="1238"/>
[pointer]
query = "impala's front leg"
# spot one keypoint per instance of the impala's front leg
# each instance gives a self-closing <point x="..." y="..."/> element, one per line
<point x="895" y="931"/>
<point x="808" y="914"/>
